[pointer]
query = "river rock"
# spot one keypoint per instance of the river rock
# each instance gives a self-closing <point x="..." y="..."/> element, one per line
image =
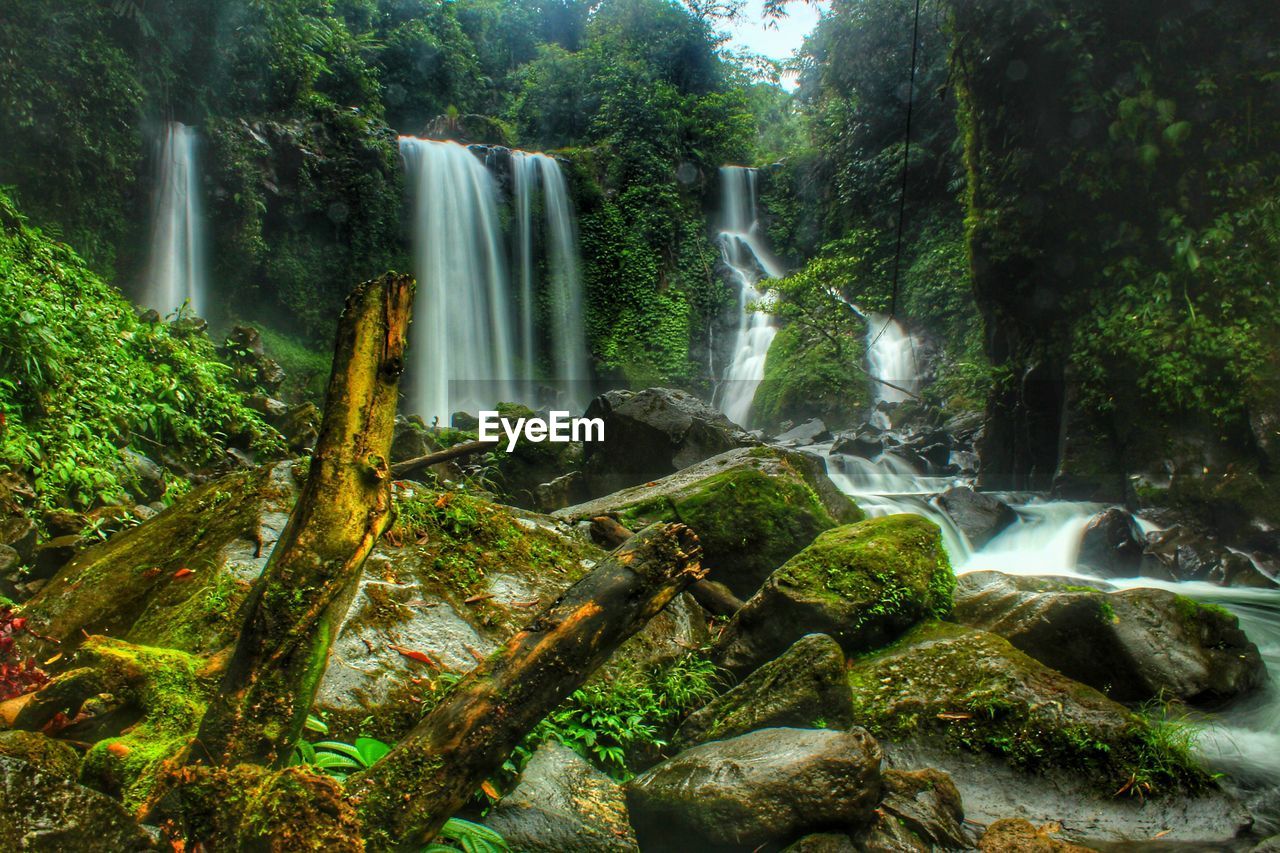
<point x="921" y="812"/>
<point x="752" y="508"/>
<point x="1015" y="835"/>
<point x="979" y="516"/>
<point x="563" y="803"/>
<point x="54" y="757"/>
<point x="39" y="812"/>
<point x="1112" y="545"/>
<point x="652" y="433"/>
<point x="1133" y="645"/>
<point x="19" y="533"/>
<point x="805" y="687"/>
<point x="863" y="584"/>
<point x="809" y="432"/>
<point x="823" y="842"/>
<point x="759" y="788"/>
<point x="865" y="443"/>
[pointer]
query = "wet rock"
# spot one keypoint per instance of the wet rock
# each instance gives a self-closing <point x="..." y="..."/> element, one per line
<point x="269" y="407"/>
<point x="979" y="516"/>
<point x="959" y="689"/>
<point x="1270" y="845"/>
<point x="758" y="788"/>
<point x="51" y="556"/>
<point x="863" y="584"/>
<point x="39" y="811"/>
<point x="9" y="559"/>
<point x="653" y="433"/>
<point x="1133" y="645"/>
<point x="19" y="533"/>
<point x="1113" y="545"/>
<point x="865" y="443"/>
<point x="148" y="477"/>
<point x="805" y="687"/>
<point x="1015" y="835"/>
<point x="63" y="522"/>
<point x="300" y="427"/>
<point x="809" y="432"/>
<point x="1241" y="570"/>
<point x="42" y="752"/>
<point x="752" y="508"/>
<point x="410" y="439"/>
<point x="563" y="803"/>
<point x="561" y="492"/>
<point x="518" y="473"/>
<point x="921" y="811"/>
<point x="823" y="842"/>
<point x="243" y="350"/>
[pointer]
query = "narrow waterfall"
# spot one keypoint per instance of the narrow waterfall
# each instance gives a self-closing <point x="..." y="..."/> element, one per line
<point x="564" y="275"/>
<point x="745" y="254"/>
<point x="176" y="268"/>
<point x="891" y="356"/>
<point x="462" y="354"/>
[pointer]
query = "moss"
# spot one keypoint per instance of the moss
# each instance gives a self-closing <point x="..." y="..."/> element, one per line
<point x="1194" y="612"/>
<point x="51" y="756"/>
<point x="895" y="565"/>
<point x="168" y="688"/>
<point x="807" y="378"/>
<point x="975" y="692"/>
<point x="295" y="810"/>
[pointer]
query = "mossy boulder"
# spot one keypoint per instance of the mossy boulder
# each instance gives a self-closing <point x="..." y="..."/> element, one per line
<point x="972" y="690"/>
<point x="805" y="687"/>
<point x="762" y="788"/>
<point x="41" y="811"/>
<point x="752" y="508"/>
<point x="1133" y="645"/>
<point x="863" y="584"/>
<point x="51" y="756"/>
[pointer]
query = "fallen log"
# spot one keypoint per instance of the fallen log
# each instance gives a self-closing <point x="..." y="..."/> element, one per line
<point x="404" y="798"/>
<point x="303" y="593"/>
<point x="466" y="448"/>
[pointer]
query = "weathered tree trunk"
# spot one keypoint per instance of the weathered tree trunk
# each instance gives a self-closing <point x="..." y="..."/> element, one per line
<point x="300" y="599"/>
<point x="405" y="798"/>
<point x="715" y="598"/>
<point x="466" y="448"/>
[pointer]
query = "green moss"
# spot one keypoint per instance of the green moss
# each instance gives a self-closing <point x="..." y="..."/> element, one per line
<point x="165" y="685"/>
<point x="806" y="378"/>
<point x="54" y="757"/>
<point x="975" y="692"/>
<point x="894" y="565"/>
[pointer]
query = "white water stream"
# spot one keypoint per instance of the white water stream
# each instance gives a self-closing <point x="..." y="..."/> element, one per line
<point x="743" y="249"/>
<point x="176" y="268"/>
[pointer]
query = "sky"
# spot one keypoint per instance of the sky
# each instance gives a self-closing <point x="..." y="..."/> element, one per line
<point x="779" y="41"/>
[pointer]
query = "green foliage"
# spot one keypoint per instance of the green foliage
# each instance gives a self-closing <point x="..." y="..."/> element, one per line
<point x="81" y="377"/>
<point x="339" y="759"/>
<point x="608" y="719"/>
<point x="459" y="834"/>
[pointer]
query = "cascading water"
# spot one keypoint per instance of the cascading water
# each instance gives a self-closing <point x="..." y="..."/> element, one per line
<point x="745" y="254"/>
<point x="176" y="270"/>
<point x="462" y="330"/>
<point x="524" y="181"/>
<point x="568" y="349"/>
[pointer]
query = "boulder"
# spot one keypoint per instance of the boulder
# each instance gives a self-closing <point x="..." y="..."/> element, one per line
<point x="519" y="473"/>
<point x="1112" y="545"/>
<point x="765" y="787"/>
<point x="563" y="803"/>
<point x="146" y="475"/>
<point x="19" y="533"/>
<point x="652" y="433"/>
<point x="10" y="559"/>
<point x="979" y="516"/>
<point x="1133" y="645"/>
<point x="823" y="842"/>
<point x="1270" y="845"/>
<point x="1015" y="835"/>
<point x="42" y="752"/>
<point x="962" y="689"/>
<point x="805" y="687"/>
<point x="752" y="508"/>
<point x="300" y="426"/>
<point x="864" y="584"/>
<point x="809" y="432"/>
<point x="52" y="555"/>
<point x="40" y="811"/>
<point x="865" y="443"/>
<point x="921" y="811"/>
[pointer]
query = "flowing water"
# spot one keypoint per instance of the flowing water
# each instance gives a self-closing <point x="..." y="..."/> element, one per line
<point x="1241" y="741"/>
<point x="462" y="354"/>
<point x="176" y="268"/>
<point x="743" y="249"/>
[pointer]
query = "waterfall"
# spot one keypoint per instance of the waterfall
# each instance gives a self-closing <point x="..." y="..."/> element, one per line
<point x="564" y="290"/>
<point x="749" y="260"/>
<point x="175" y="271"/>
<point x="462" y="352"/>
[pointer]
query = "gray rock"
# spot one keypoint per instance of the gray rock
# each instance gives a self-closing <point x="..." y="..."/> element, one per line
<point x="652" y="433"/>
<point x="979" y="516"/>
<point x="1133" y="645"/>
<point x="40" y="812"/>
<point x="19" y="533"/>
<point x="147" y="475"/>
<point x="921" y="811"/>
<point x="562" y="803"/>
<point x="805" y="687"/>
<point x="760" y="788"/>
<point x="809" y="432"/>
<point x="823" y="842"/>
<point x="1270" y="845"/>
<point x="10" y="559"/>
<point x="51" y="756"/>
<point x="1113" y="545"/>
<point x="865" y="443"/>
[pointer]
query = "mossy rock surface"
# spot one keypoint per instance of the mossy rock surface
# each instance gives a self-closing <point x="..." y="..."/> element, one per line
<point x="752" y="508"/>
<point x="1134" y="645"/>
<point x="972" y="691"/>
<point x="863" y="584"/>
<point x="52" y="756"/>
<point x="805" y="687"/>
<point x="44" y="812"/>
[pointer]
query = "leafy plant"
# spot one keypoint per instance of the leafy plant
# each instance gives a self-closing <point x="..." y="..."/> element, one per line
<point x="339" y="759"/>
<point x="466" y="836"/>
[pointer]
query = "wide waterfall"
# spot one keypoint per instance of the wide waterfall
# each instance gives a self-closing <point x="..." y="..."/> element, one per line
<point x="748" y="258"/>
<point x="462" y="353"/>
<point x="564" y="276"/>
<point x="176" y="269"/>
